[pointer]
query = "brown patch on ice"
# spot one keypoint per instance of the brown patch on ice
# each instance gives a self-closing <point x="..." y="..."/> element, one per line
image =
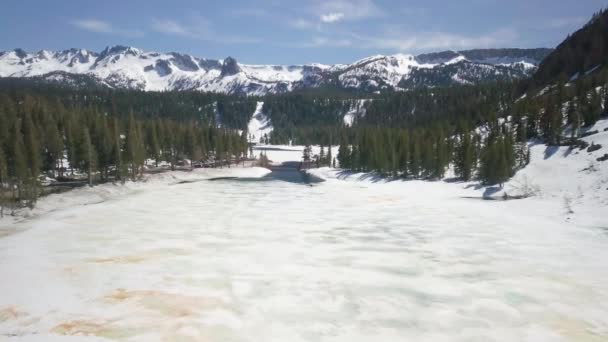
<point x="138" y="257"/>
<point x="90" y="327"/>
<point x="10" y="313"/>
<point x="80" y="327"/>
<point x="577" y="330"/>
<point x="165" y="303"/>
<point x="125" y="259"/>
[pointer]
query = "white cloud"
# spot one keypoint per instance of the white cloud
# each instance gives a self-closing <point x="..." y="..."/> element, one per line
<point x="314" y="14"/>
<point x="349" y="9"/>
<point x="100" y="26"/>
<point x="332" y="17"/>
<point x="94" y="25"/>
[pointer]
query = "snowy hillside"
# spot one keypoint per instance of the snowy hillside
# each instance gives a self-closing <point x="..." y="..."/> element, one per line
<point x="259" y="126"/>
<point x="575" y="180"/>
<point x="132" y="68"/>
<point x="356" y="111"/>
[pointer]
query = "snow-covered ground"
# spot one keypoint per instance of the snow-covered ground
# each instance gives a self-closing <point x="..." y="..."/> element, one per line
<point x="284" y="153"/>
<point x="354" y="258"/>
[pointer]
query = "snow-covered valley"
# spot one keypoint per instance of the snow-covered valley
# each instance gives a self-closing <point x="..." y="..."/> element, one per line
<point x="183" y="258"/>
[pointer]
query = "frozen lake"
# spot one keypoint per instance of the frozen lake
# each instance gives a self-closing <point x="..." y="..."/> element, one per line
<point x="231" y="260"/>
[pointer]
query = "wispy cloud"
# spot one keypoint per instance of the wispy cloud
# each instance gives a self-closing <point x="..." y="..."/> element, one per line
<point x="248" y="12"/>
<point x="100" y="26"/>
<point x="413" y="42"/>
<point x="420" y="41"/>
<point x="304" y="24"/>
<point x="169" y="27"/>
<point x="565" y="22"/>
<point x="332" y="17"/>
<point x="197" y="27"/>
<point x="320" y="42"/>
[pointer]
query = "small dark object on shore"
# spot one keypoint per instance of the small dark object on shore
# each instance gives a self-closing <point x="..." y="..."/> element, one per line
<point x="603" y="158"/>
<point x="594" y="147"/>
<point x="575" y="143"/>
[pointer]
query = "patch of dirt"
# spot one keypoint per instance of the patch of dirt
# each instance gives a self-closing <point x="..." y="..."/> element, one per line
<point x="138" y="257"/>
<point x="10" y="313"/>
<point x="90" y="327"/>
<point x="81" y="327"/>
<point x="167" y="304"/>
<point x="123" y="259"/>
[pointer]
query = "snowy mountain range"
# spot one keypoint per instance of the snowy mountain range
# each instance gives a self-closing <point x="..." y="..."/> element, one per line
<point x="132" y="68"/>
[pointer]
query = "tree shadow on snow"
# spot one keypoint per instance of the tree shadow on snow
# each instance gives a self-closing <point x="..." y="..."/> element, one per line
<point x="369" y="176"/>
<point x="475" y="186"/>
<point x="373" y="177"/>
<point x="490" y="191"/>
<point x="568" y="151"/>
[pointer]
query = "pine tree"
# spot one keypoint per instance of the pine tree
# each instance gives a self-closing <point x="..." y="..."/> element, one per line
<point x="322" y="155"/>
<point x="344" y="152"/>
<point x="119" y="163"/>
<point x="464" y="156"/>
<point x="89" y="155"/>
<point x="488" y="163"/>
<point x="34" y="163"/>
<point x="135" y="153"/>
<point x="355" y="158"/>
<point x="605" y="104"/>
<point x="404" y="153"/>
<point x="415" y="157"/>
<point x="509" y="153"/>
<point x="153" y="144"/>
<point x="17" y="164"/>
<point x="441" y="154"/>
<point x="593" y="110"/>
<point x="307" y="156"/>
<point x="551" y="123"/>
<point x="53" y="145"/>
<point x="573" y="119"/>
<point x="72" y="134"/>
<point x="3" y="180"/>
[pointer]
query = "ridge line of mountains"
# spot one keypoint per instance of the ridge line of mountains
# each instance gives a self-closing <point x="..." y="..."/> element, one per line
<point x="125" y="67"/>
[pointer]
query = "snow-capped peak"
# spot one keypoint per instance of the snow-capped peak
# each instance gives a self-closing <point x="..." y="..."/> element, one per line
<point x="129" y="67"/>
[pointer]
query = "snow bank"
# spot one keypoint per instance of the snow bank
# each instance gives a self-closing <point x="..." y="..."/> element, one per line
<point x="567" y="183"/>
<point x="573" y="179"/>
<point x="288" y="153"/>
<point x="109" y="191"/>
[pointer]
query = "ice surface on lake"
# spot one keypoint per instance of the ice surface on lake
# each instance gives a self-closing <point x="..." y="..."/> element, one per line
<point x="276" y="261"/>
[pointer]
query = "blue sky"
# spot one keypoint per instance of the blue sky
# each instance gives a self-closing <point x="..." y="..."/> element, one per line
<point x="288" y="31"/>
